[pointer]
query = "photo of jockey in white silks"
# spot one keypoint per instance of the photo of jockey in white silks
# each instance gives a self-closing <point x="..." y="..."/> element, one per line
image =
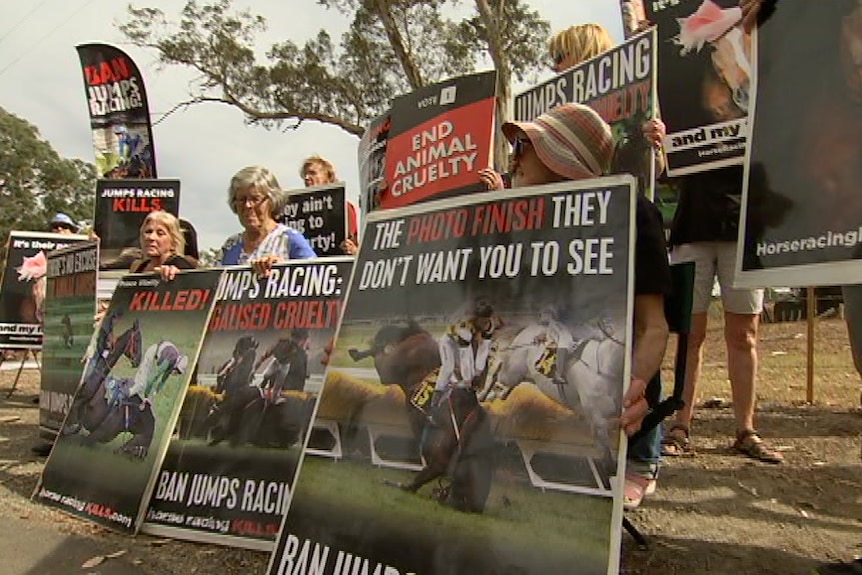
<point x="103" y="352"/>
<point x="288" y="369"/>
<point x="464" y="351"/>
<point x="161" y="360"/>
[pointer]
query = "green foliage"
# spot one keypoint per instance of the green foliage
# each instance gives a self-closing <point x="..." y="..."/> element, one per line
<point x="36" y="183"/>
<point x="391" y="47"/>
<point x="210" y="258"/>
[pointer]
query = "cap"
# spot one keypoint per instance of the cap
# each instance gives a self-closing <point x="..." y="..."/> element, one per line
<point x="182" y="364"/>
<point x="64" y="220"/>
<point x="572" y="140"/>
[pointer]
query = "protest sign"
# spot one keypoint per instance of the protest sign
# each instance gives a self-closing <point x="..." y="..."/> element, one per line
<point x="121" y="207"/>
<point x="802" y="212"/>
<point x="227" y="477"/>
<point x="104" y="463"/>
<point x="703" y="88"/>
<point x="476" y="294"/>
<point x="70" y="303"/>
<point x="119" y="113"/>
<point x="439" y="137"/>
<point x="620" y="85"/>
<point x="22" y="290"/>
<point x="372" y="163"/>
<point x="320" y="214"/>
<point x="633" y="15"/>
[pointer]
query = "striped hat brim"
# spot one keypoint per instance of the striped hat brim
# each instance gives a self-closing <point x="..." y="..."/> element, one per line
<point x="571" y="140"/>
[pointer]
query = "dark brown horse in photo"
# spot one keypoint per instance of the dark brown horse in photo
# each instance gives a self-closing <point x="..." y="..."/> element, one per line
<point x="257" y="421"/>
<point x="92" y="389"/>
<point x="459" y="444"/>
<point x="233" y="378"/>
<point x="107" y="418"/>
<point x="246" y="414"/>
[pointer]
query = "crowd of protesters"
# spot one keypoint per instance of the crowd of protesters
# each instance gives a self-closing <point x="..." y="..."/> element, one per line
<point x="704" y="231"/>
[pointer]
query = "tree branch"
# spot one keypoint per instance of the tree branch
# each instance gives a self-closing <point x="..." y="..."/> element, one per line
<point x="256" y="114"/>
<point x="412" y="72"/>
<point x="504" y="76"/>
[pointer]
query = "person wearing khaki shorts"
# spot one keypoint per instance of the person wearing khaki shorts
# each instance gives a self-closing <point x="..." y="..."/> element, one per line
<point x="704" y="231"/>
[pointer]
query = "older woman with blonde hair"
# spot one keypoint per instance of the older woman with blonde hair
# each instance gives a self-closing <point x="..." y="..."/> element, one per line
<point x="317" y="171"/>
<point x="256" y="198"/>
<point x="162" y="246"/>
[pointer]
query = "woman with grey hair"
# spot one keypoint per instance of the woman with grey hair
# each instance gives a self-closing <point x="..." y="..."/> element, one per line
<point x="256" y="198"/>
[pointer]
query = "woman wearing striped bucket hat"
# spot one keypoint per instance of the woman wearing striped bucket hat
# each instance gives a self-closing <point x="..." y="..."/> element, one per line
<point x="572" y="142"/>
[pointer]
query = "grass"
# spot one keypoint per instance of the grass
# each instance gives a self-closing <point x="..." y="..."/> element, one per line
<point x="782" y="363"/>
<point x="528" y="526"/>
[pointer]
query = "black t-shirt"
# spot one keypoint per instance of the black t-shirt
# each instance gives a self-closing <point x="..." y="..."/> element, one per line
<point x="178" y="261"/>
<point x="652" y="270"/>
<point x="709" y="207"/>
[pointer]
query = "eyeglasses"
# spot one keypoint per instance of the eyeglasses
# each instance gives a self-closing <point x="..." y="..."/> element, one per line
<point x="253" y="201"/>
<point x="519" y="146"/>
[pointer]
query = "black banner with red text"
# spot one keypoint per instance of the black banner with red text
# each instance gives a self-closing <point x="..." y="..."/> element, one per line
<point x="121" y="207"/>
<point x="119" y="113"/>
<point x="372" y="163"/>
<point x="620" y="85"/>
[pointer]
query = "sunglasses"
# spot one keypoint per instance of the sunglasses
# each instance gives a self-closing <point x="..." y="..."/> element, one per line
<point x="519" y="146"/>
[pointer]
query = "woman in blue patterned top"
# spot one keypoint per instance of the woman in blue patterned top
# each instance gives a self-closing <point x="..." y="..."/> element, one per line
<point x="256" y="198"/>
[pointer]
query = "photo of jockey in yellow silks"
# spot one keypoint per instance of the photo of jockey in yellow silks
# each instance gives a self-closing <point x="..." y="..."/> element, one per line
<point x="558" y="343"/>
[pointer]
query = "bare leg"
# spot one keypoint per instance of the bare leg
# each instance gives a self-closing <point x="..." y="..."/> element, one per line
<point x="694" y="361"/>
<point x="740" y="334"/>
<point x="853" y="316"/>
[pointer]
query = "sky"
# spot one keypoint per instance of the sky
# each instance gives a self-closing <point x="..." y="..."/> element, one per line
<point x="204" y="145"/>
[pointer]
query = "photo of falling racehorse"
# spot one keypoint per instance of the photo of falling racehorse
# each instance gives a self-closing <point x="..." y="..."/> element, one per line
<point x="92" y="417"/>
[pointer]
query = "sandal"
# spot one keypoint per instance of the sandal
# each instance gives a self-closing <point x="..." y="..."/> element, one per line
<point x="637" y="486"/>
<point x="750" y="443"/>
<point x="676" y="445"/>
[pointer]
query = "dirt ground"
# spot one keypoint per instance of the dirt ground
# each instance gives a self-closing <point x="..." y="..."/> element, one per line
<point x="713" y="513"/>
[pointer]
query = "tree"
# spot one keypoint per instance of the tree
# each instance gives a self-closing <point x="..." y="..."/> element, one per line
<point x="36" y="183"/>
<point x="210" y="258"/>
<point x="392" y="47"/>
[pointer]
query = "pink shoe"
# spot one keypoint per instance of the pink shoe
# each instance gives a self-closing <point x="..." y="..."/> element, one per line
<point x="637" y="486"/>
